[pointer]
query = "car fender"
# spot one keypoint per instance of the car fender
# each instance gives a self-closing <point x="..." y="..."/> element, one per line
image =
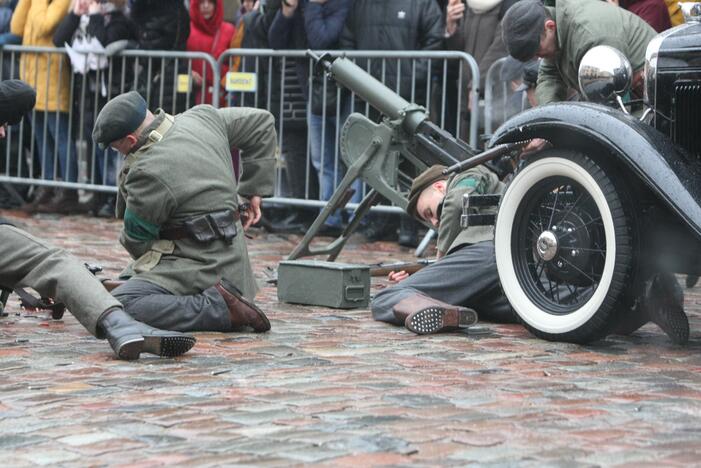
<point x="671" y="173"/>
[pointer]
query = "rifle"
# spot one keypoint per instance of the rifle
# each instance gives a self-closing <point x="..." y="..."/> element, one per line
<point x="384" y="269"/>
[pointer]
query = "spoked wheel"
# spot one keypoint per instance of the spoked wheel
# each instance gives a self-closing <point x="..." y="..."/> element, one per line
<point x="563" y="247"/>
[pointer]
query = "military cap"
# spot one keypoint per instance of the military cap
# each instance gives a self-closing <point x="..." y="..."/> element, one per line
<point x="16" y="99"/>
<point x="424" y="180"/>
<point x="119" y="117"/>
<point x="522" y="27"/>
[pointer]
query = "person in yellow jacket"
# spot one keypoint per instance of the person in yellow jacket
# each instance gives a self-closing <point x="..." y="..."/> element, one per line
<point x="49" y="74"/>
<point x="675" y="12"/>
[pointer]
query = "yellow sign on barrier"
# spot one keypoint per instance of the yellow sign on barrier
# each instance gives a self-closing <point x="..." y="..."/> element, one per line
<point x="183" y="83"/>
<point x="242" y="82"/>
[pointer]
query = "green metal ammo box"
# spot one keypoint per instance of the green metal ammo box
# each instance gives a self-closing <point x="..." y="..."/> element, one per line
<point x="329" y="284"/>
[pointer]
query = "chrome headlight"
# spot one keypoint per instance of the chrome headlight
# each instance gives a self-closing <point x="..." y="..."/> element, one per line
<point x="604" y="73"/>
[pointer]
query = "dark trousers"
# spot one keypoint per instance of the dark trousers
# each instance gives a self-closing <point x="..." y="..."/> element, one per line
<point x="158" y="307"/>
<point x="467" y="277"/>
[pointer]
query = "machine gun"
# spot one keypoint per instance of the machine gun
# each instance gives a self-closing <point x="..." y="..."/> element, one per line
<point x="372" y="151"/>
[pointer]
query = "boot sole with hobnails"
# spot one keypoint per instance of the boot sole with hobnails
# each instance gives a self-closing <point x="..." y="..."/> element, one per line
<point x="438" y="319"/>
<point x="168" y="346"/>
<point x="673" y="321"/>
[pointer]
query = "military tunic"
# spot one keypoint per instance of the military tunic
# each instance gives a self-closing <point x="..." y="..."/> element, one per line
<point x="581" y="25"/>
<point x="184" y="169"/>
<point x="26" y="261"/>
<point x="467" y="274"/>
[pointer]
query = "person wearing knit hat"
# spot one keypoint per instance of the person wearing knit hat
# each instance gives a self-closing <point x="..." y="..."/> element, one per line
<point x="449" y="294"/>
<point x="561" y="35"/>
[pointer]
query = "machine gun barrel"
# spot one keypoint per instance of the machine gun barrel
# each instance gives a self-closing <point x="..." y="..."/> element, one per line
<point x="348" y="74"/>
<point x="431" y="144"/>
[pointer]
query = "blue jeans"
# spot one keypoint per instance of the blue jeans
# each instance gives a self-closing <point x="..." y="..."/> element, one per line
<point x="326" y="159"/>
<point x="57" y="145"/>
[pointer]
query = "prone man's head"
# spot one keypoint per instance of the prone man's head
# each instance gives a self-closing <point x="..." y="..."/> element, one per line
<point x="529" y="31"/>
<point x="120" y="122"/>
<point x="427" y="194"/>
<point x="16" y="99"/>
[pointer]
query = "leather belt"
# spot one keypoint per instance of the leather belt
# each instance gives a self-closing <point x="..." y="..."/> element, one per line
<point x="180" y="231"/>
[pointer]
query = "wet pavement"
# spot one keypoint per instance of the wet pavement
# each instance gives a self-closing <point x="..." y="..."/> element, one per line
<point x="334" y="388"/>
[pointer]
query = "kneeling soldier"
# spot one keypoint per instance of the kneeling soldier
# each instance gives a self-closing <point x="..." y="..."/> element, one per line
<point x="179" y="198"/>
<point x="28" y="261"/>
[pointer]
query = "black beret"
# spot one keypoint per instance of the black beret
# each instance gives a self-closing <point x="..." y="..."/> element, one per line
<point x="16" y="99"/>
<point x="425" y="179"/>
<point x="119" y="117"/>
<point x="522" y="27"/>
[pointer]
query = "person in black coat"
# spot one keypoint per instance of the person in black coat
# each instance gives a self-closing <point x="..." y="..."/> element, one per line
<point x="162" y="25"/>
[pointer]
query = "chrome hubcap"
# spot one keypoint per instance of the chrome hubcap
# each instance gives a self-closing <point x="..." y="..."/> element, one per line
<point x="547" y="245"/>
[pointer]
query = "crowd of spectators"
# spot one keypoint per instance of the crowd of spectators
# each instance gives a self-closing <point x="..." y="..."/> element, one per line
<point x="213" y="26"/>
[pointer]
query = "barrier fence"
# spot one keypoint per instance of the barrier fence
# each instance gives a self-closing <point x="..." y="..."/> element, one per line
<point x="54" y="145"/>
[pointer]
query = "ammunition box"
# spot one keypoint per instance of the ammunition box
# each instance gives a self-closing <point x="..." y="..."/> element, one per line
<point x="319" y="283"/>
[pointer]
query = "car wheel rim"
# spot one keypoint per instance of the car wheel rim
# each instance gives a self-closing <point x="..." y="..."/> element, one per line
<point x="558" y="245"/>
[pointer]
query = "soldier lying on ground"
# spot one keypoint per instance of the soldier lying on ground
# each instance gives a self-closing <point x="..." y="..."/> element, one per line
<point x="179" y="198"/>
<point x="52" y="272"/>
<point x="445" y="295"/>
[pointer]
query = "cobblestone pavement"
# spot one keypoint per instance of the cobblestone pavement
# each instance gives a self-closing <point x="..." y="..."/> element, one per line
<point x="333" y="388"/>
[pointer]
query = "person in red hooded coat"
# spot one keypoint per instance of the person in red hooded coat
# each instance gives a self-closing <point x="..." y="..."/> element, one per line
<point x="211" y="34"/>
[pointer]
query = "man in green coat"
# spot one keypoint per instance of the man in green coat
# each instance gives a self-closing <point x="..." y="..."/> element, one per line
<point x="26" y="261"/>
<point x="180" y="200"/>
<point x="445" y="295"/>
<point x="561" y="35"/>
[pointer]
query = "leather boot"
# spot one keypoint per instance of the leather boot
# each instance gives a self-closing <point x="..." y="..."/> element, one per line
<point x="42" y="196"/>
<point x="129" y="338"/>
<point x="65" y="202"/>
<point x="662" y="303"/>
<point x="243" y="313"/>
<point x="424" y="315"/>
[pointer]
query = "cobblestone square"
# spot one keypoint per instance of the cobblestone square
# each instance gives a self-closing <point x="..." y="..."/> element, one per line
<point x="330" y="387"/>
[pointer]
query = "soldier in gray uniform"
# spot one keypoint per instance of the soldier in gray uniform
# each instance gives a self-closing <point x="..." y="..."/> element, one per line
<point x="445" y="295"/>
<point x="26" y="261"/>
<point x="181" y="202"/>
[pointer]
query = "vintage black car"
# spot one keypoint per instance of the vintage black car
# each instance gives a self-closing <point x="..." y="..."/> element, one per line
<point x="586" y="225"/>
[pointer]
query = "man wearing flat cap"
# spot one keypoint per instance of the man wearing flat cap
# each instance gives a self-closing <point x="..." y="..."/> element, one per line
<point x="561" y="35"/>
<point x="183" y="209"/>
<point x="26" y="261"/>
<point x="448" y="295"/>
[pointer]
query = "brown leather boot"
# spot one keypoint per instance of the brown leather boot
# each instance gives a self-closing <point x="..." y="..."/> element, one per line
<point x="424" y="315"/>
<point x="243" y="313"/>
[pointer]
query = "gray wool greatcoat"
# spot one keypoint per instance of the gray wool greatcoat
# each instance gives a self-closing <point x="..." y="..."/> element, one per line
<point x="183" y="169"/>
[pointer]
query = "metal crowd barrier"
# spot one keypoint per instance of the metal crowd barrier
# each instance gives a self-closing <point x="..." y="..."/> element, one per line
<point x="260" y="78"/>
<point x="269" y="79"/>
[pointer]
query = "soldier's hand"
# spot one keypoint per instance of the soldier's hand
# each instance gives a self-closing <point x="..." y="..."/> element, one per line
<point x="454" y="13"/>
<point x="397" y="276"/>
<point x="253" y="214"/>
<point x="533" y="146"/>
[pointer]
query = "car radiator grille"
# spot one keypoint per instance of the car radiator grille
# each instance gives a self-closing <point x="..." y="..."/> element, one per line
<point x="687" y="116"/>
